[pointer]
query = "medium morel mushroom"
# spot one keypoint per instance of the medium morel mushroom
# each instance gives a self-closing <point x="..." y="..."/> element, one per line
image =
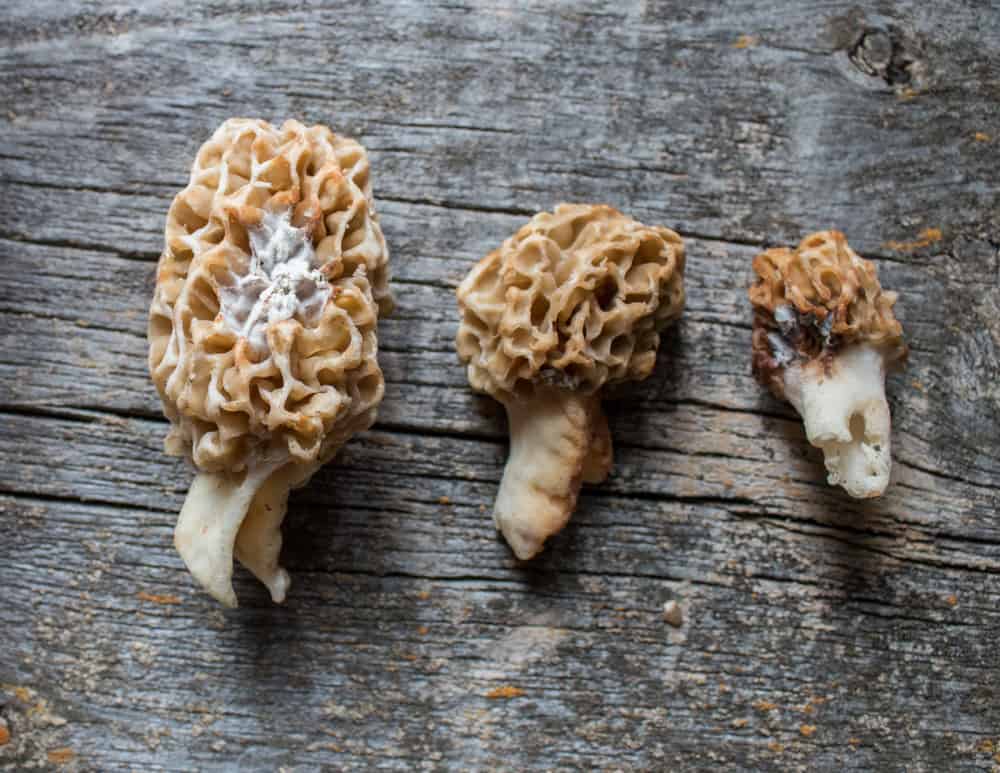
<point x="573" y="301"/>
<point x="824" y="336"/>
<point x="262" y="340"/>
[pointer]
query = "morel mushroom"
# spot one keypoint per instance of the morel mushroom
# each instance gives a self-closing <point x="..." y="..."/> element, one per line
<point x="824" y="335"/>
<point x="573" y="301"/>
<point x="262" y="333"/>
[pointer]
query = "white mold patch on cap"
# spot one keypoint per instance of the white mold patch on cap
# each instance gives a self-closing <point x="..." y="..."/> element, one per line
<point x="282" y="282"/>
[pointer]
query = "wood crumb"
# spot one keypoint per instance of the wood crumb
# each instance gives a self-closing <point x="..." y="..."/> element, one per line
<point x="926" y="238"/>
<point x="763" y="705"/>
<point x="157" y="598"/>
<point x="741" y="722"/>
<point x="854" y="741"/>
<point x="807" y="730"/>
<point x="908" y="93"/>
<point x="952" y="600"/>
<point x="775" y="747"/>
<point x="424" y="595"/>
<point x="4" y="733"/>
<point x="981" y="137"/>
<point x="325" y="746"/>
<point x="444" y="501"/>
<point x="673" y="614"/>
<point x="61" y="756"/>
<point x="986" y="746"/>
<point x="422" y="630"/>
<point x="227" y="92"/>
<point x="507" y="691"/>
<point x="746" y="41"/>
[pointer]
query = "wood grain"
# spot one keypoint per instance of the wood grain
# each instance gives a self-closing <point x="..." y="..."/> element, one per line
<point x="819" y="633"/>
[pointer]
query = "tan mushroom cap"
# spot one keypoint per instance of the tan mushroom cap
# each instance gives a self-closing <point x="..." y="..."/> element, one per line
<point x="250" y="163"/>
<point x="317" y="379"/>
<point x="575" y="299"/>
<point x="836" y="298"/>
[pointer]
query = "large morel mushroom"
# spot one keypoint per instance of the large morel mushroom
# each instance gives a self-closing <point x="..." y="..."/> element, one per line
<point x="262" y="333"/>
<point x="575" y="300"/>
<point x="824" y="336"/>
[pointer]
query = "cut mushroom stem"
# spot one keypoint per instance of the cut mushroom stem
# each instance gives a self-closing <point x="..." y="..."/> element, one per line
<point x="558" y="439"/>
<point x="842" y="403"/>
<point x="216" y="507"/>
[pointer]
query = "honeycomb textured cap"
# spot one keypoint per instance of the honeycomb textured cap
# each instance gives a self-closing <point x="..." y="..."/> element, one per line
<point x="262" y="328"/>
<point x="815" y="300"/>
<point x="575" y="299"/>
<point x="248" y="163"/>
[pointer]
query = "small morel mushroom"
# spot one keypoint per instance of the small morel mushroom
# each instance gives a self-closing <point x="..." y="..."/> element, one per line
<point x="824" y="335"/>
<point x="262" y="333"/>
<point x="575" y="300"/>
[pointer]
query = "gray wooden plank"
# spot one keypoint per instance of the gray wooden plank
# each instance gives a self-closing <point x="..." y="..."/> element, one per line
<point x="741" y="126"/>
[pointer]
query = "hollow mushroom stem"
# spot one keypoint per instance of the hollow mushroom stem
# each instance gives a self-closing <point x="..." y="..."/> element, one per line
<point x="213" y="512"/>
<point x="842" y="403"/>
<point x="558" y="439"/>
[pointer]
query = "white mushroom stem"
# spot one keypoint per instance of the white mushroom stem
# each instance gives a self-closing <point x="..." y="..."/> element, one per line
<point x="557" y="440"/>
<point x="843" y="406"/>
<point x="205" y="536"/>
<point x="258" y="542"/>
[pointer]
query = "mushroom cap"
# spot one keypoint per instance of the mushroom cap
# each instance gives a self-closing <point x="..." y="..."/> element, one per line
<point x="812" y="301"/>
<point x="250" y="163"/>
<point x="252" y="359"/>
<point x="575" y="299"/>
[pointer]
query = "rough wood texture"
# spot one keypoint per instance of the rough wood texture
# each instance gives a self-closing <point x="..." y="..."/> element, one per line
<point x="819" y="633"/>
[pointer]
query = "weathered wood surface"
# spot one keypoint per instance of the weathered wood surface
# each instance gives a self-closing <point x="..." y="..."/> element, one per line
<point x="819" y="633"/>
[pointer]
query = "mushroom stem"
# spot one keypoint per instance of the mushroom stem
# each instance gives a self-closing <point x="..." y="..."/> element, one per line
<point x="597" y="463"/>
<point x="557" y="440"/>
<point x="843" y="406"/>
<point x="258" y="542"/>
<point x="213" y="512"/>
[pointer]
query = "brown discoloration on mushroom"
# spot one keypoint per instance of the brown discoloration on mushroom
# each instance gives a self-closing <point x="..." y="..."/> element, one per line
<point x="573" y="301"/>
